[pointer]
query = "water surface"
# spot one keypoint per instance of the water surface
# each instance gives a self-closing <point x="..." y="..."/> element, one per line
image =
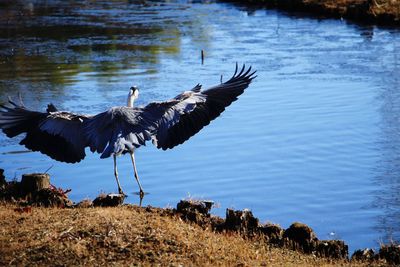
<point x="314" y="139"/>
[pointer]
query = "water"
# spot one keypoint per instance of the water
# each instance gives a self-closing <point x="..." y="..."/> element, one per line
<point x="314" y="139"/>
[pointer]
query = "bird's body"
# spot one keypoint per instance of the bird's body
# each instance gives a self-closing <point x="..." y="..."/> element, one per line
<point x="64" y="135"/>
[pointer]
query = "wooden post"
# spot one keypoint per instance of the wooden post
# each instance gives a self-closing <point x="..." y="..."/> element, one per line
<point x="33" y="182"/>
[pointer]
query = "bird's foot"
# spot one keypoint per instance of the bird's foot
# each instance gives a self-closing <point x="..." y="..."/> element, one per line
<point x="122" y="192"/>
<point x="141" y="193"/>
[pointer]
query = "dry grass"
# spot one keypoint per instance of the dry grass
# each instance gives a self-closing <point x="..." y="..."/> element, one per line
<point x="128" y="235"/>
<point x="370" y="11"/>
<point x="377" y="8"/>
<point x="386" y="7"/>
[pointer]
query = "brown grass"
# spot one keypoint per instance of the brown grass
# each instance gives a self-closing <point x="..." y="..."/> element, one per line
<point x="386" y="7"/>
<point x="129" y="235"/>
<point x="369" y="11"/>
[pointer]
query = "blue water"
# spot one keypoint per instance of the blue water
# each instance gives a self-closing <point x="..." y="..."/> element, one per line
<point x="315" y="138"/>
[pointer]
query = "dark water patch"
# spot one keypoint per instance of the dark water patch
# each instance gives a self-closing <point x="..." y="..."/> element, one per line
<point x="64" y="32"/>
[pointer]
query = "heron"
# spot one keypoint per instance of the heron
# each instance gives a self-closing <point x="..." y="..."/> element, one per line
<point x="64" y="136"/>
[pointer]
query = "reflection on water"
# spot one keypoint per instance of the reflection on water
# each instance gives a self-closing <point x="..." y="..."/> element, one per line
<point x="52" y="42"/>
<point x="314" y="139"/>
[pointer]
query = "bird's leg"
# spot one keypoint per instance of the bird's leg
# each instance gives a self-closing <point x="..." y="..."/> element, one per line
<point x="116" y="175"/>
<point x="136" y="175"/>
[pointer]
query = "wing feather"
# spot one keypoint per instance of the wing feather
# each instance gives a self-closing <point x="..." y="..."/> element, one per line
<point x="56" y="134"/>
<point x="217" y="99"/>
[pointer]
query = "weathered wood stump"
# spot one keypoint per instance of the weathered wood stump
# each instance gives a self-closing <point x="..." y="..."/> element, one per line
<point x="364" y="255"/>
<point x="2" y="178"/>
<point x="300" y="236"/>
<point x="336" y="249"/>
<point x="273" y="232"/>
<point x="241" y="221"/>
<point x="110" y="200"/>
<point x="34" y="182"/>
<point x="197" y="211"/>
<point x="391" y="253"/>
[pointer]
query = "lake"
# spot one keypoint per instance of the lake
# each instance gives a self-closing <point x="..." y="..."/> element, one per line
<point x="315" y="138"/>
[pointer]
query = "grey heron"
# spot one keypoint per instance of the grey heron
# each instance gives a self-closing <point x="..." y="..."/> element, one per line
<point x="64" y="135"/>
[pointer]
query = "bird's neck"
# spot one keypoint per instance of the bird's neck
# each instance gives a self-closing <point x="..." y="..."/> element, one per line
<point x="131" y="100"/>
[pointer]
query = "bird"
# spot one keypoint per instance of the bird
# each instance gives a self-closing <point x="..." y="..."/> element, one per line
<point x="119" y="130"/>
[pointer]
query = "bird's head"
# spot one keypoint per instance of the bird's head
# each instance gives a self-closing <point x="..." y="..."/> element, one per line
<point x="133" y="95"/>
<point x="134" y="92"/>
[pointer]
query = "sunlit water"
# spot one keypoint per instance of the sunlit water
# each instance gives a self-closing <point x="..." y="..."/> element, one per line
<point x="314" y="139"/>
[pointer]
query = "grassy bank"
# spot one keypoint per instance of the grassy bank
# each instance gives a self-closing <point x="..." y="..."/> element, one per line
<point x="385" y="12"/>
<point x="131" y="235"/>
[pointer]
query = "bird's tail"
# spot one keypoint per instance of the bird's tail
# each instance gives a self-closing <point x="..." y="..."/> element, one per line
<point x="16" y="119"/>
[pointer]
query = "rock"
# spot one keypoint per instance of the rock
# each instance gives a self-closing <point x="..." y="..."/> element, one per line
<point x="300" y="237"/>
<point x="109" y="200"/>
<point x="391" y="253"/>
<point x="242" y="221"/>
<point x="332" y="249"/>
<point x="273" y="232"/>
<point x="363" y="255"/>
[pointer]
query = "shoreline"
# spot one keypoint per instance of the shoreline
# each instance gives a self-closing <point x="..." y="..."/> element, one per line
<point x="187" y="235"/>
<point x="370" y="12"/>
<point x="30" y="207"/>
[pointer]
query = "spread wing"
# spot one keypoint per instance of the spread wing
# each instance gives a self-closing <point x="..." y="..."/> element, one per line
<point x="172" y="132"/>
<point x="63" y="136"/>
<point x="169" y="123"/>
<point x="54" y="133"/>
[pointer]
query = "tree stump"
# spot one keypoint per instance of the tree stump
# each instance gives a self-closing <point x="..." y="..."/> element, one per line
<point x="34" y="182"/>
<point x="2" y="178"/>
<point x="110" y="200"/>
